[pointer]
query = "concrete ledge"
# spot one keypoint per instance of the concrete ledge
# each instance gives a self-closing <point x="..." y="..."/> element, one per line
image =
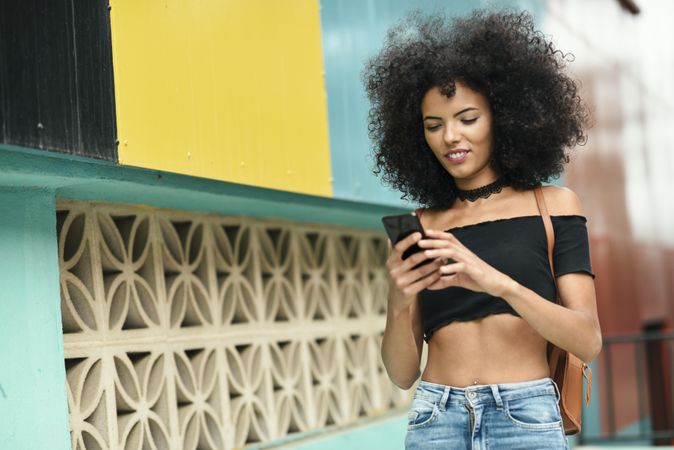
<point x="383" y="433"/>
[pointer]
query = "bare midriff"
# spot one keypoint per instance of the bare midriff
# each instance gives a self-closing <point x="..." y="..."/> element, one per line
<point x="500" y="348"/>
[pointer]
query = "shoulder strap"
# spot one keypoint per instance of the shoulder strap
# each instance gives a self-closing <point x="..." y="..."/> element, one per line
<point x="549" y="231"/>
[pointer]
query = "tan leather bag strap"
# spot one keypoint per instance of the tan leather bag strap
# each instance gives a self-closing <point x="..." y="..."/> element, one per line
<point x="549" y="231"/>
<point x="554" y="358"/>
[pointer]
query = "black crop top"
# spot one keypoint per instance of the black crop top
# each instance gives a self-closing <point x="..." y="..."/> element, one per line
<point x="517" y="247"/>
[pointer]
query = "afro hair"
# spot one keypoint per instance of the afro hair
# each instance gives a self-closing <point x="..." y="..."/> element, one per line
<point x="538" y="115"/>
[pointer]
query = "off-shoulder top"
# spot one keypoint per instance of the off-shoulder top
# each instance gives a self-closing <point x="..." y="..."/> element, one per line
<point x="517" y="247"/>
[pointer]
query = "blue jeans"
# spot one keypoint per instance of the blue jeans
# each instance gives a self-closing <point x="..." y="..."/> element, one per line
<point x="504" y="416"/>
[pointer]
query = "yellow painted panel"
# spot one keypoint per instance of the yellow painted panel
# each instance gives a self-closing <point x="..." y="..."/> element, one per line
<point x="224" y="89"/>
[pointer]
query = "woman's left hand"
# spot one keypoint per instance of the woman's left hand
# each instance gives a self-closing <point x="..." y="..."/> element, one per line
<point x="468" y="271"/>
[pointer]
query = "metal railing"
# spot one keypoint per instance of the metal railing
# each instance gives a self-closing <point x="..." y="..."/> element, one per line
<point x="634" y="371"/>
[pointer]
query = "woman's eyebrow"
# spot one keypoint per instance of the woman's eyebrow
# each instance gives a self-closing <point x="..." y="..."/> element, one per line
<point x="470" y="108"/>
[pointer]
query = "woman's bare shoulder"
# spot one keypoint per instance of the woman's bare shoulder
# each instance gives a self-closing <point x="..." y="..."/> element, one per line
<point x="426" y="216"/>
<point x="562" y="201"/>
<point x="436" y="219"/>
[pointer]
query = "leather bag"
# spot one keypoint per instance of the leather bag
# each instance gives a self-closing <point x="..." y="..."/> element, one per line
<point x="566" y="369"/>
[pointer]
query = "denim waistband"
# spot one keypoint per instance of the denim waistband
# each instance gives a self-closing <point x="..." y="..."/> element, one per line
<point x="486" y="393"/>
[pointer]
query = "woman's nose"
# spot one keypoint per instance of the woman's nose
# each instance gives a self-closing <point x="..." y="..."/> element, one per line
<point x="451" y="136"/>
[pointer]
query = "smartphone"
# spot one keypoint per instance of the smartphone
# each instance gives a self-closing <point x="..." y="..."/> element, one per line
<point x="400" y="226"/>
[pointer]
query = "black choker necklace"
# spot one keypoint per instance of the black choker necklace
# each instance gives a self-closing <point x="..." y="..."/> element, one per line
<point x="482" y="192"/>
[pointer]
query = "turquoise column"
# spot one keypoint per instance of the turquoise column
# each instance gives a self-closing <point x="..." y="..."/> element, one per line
<point x="33" y="401"/>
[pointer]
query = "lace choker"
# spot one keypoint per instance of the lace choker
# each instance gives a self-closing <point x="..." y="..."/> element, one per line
<point x="482" y="192"/>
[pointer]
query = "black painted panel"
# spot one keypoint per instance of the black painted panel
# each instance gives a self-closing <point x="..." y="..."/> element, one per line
<point x="56" y="81"/>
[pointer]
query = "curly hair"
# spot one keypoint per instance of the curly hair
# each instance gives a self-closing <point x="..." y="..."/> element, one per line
<point x="538" y="115"/>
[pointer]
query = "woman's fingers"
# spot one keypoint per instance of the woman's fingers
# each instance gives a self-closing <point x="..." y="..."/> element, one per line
<point x="453" y="268"/>
<point x="395" y="266"/>
<point x="406" y="243"/>
<point x="443" y="235"/>
<point x="397" y="250"/>
<point x="433" y="243"/>
<point x="440" y="241"/>
<point x="423" y="283"/>
<point x="449" y="252"/>
<point x="420" y="272"/>
<point x="414" y="260"/>
<point x="449" y="276"/>
<point x="459" y="252"/>
<point x="443" y="282"/>
<point x="450" y="258"/>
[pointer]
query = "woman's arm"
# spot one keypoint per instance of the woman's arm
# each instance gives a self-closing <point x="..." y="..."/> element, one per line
<point x="402" y="342"/>
<point x="573" y="327"/>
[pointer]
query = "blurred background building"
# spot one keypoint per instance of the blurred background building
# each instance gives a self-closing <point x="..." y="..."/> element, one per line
<point x="189" y="227"/>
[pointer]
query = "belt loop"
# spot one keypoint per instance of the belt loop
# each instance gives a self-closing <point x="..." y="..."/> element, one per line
<point x="445" y="398"/>
<point x="497" y="396"/>
<point x="559" y="396"/>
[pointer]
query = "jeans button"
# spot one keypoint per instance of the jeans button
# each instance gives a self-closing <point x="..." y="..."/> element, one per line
<point x="472" y="395"/>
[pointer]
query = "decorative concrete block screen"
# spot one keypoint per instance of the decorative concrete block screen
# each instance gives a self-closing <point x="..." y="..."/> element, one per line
<point x="187" y="331"/>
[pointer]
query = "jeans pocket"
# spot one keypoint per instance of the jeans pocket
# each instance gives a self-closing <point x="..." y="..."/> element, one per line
<point x="421" y="413"/>
<point x="536" y="413"/>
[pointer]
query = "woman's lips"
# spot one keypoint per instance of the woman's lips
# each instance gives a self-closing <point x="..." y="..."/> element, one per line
<point x="457" y="157"/>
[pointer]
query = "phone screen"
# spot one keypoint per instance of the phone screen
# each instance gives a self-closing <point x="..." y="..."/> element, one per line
<point x="399" y="227"/>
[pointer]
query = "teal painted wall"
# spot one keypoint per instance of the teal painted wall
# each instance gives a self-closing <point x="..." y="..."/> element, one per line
<point x="33" y="403"/>
<point x="353" y="31"/>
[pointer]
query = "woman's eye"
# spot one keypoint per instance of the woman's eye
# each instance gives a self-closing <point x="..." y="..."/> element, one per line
<point x="432" y="127"/>
<point x="468" y="121"/>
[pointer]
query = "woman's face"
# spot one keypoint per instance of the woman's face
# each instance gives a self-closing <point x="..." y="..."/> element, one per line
<point x="459" y="131"/>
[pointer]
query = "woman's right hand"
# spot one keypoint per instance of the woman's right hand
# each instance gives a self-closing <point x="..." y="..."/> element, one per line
<point x="406" y="281"/>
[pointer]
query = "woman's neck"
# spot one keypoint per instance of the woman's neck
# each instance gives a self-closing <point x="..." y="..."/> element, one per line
<point x="480" y="192"/>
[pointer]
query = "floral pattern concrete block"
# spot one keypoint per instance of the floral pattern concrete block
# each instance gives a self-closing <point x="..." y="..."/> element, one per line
<point x="186" y="331"/>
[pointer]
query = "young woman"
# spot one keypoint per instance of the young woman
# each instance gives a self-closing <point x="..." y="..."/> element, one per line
<point x="468" y="116"/>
